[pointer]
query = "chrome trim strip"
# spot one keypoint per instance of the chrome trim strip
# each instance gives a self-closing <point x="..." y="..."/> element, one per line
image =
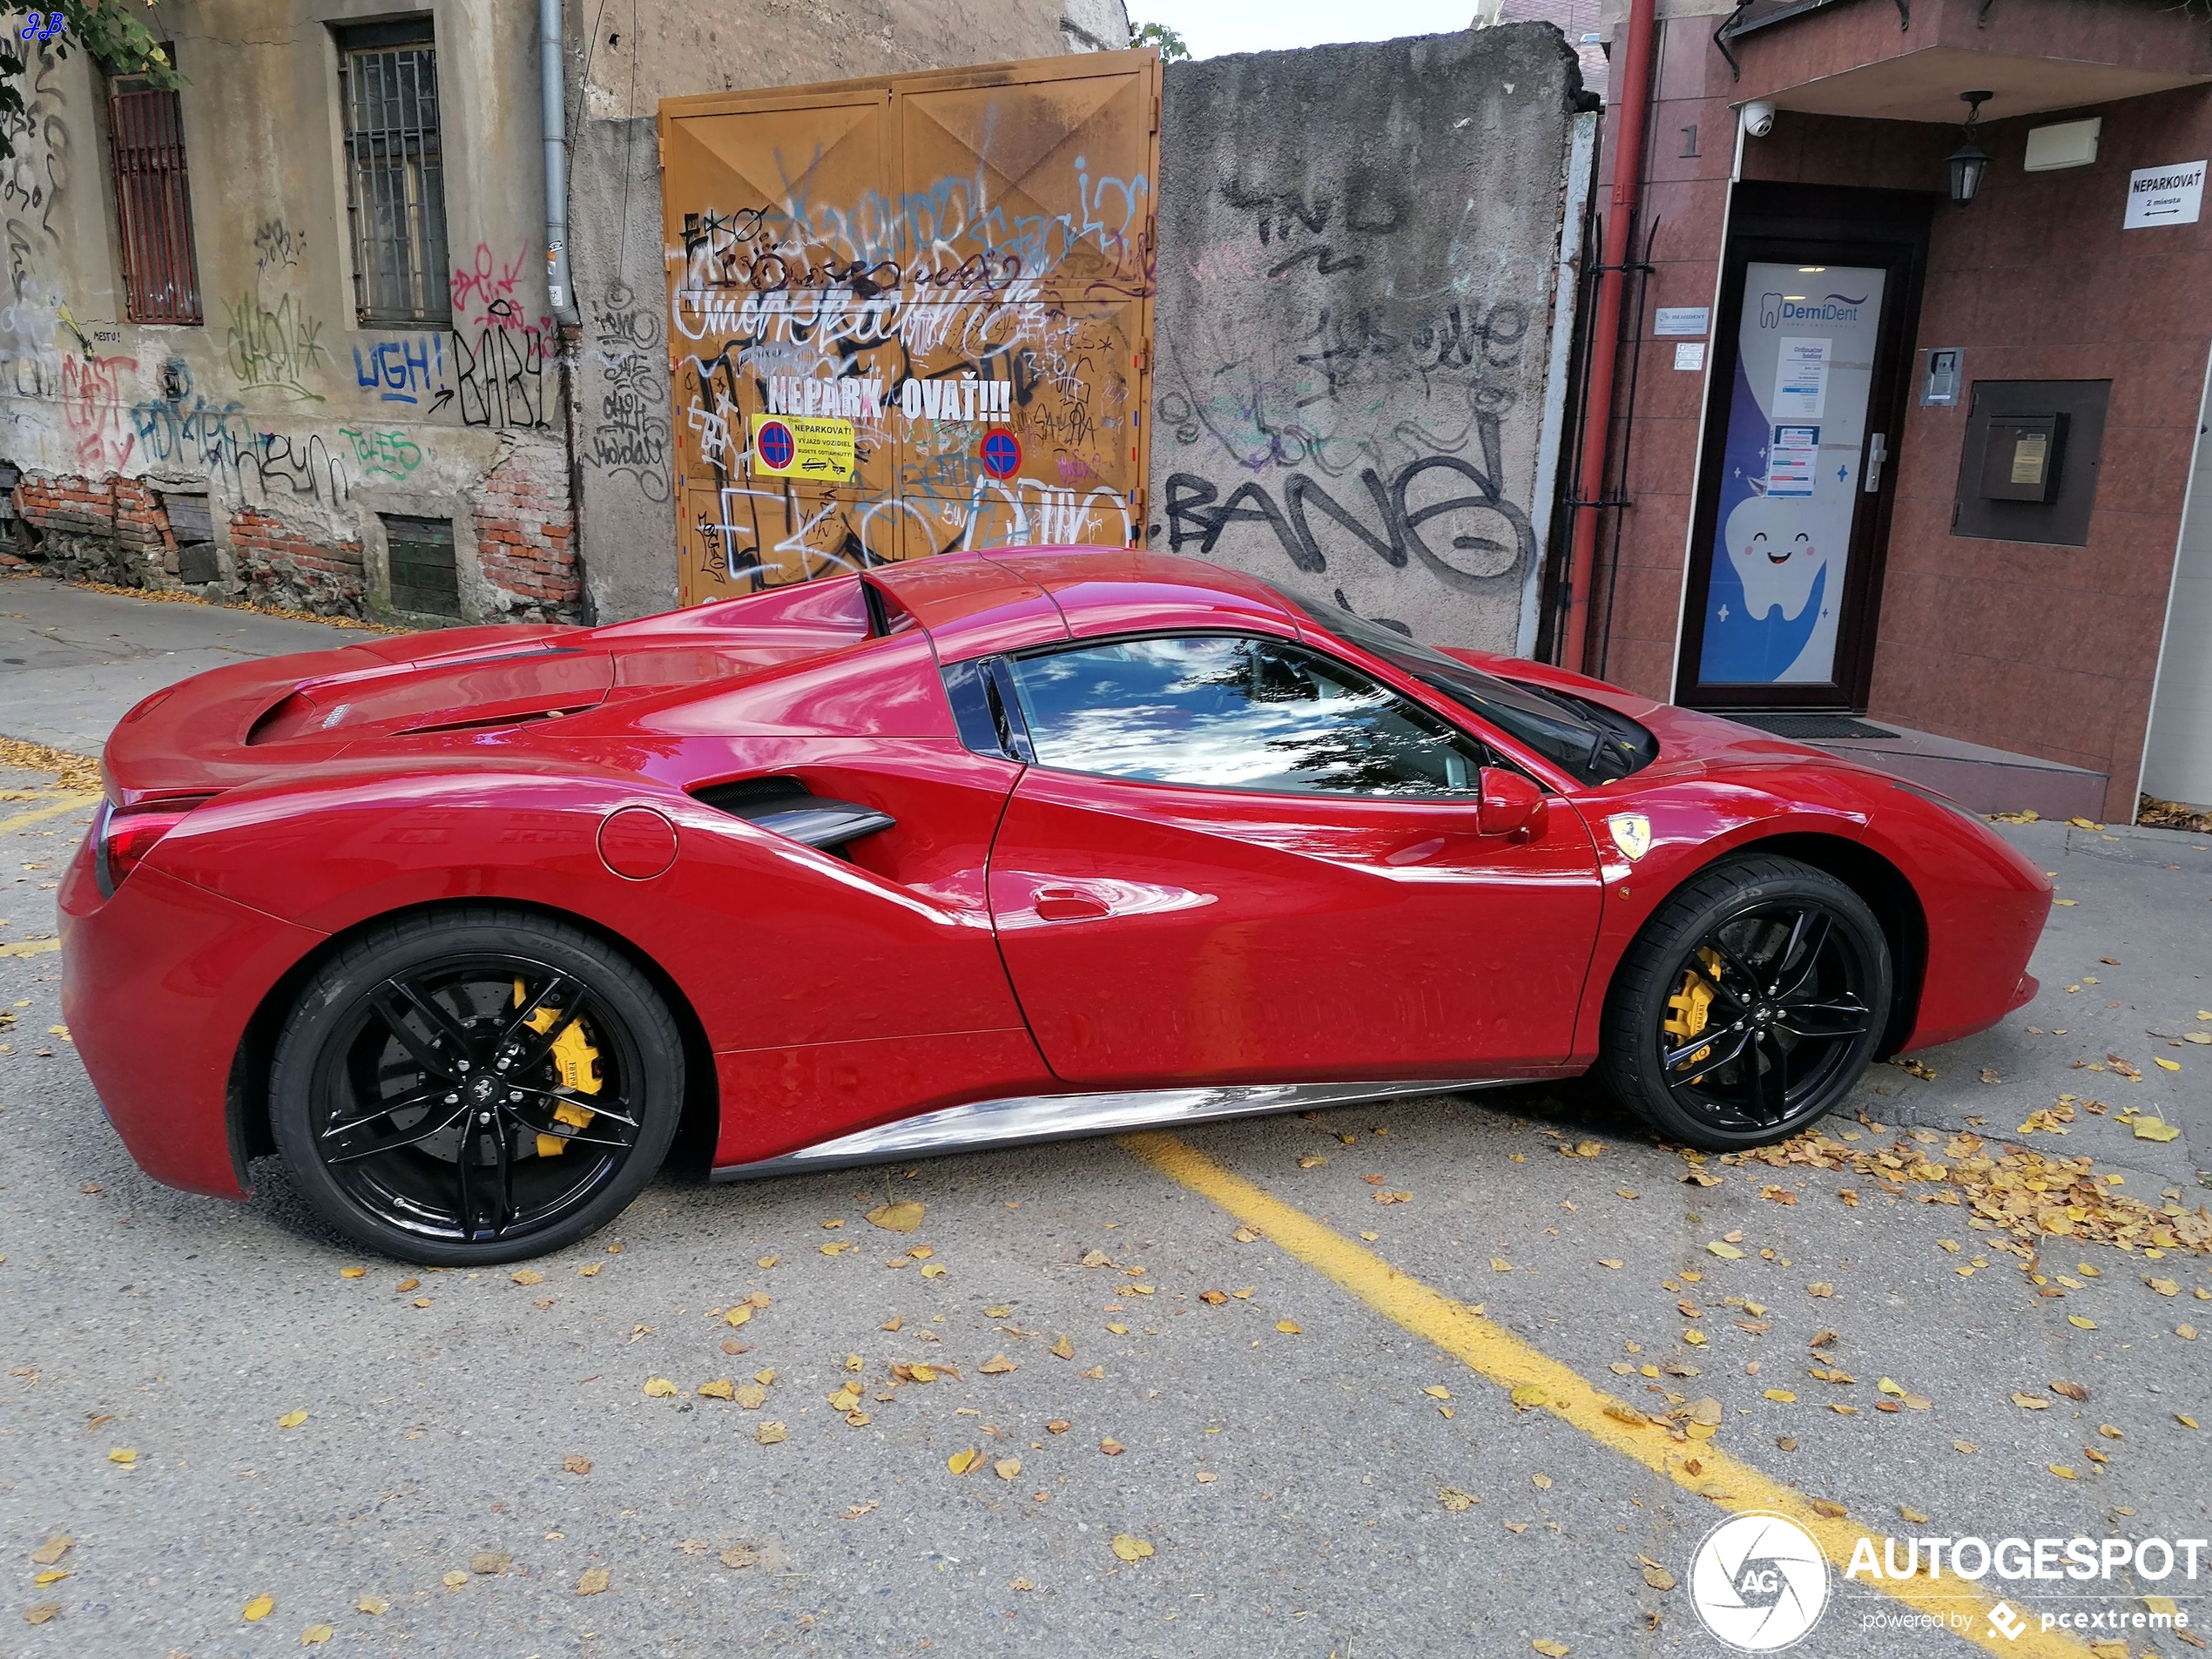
<point x="1027" y="1120"/>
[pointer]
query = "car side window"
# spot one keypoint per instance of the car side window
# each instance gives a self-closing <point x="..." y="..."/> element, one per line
<point x="1232" y="711"/>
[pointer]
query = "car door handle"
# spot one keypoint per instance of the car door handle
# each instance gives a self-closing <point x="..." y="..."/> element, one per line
<point x="1066" y="904"/>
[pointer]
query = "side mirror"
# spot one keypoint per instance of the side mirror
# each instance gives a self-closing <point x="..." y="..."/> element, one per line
<point x="1511" y="804"/>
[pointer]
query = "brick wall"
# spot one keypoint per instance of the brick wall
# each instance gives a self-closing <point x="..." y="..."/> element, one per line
<point x="281" y="565"/>
<point x="114" y="529"/>
<point x="526" y="538"/>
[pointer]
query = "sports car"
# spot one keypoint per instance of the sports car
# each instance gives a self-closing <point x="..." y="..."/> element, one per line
<point x="469" y="928"/>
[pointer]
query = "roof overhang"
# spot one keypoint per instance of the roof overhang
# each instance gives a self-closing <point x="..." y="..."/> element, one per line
<point x="1925" y="86"/>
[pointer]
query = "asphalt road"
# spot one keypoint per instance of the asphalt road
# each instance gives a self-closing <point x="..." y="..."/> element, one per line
<point x="1290" y="1483"/>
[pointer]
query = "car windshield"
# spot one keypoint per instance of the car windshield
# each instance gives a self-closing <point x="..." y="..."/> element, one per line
<point x="1594" y="743"/>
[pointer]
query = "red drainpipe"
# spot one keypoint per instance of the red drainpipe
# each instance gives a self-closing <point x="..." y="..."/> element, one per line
<point x="1633" y="107"/>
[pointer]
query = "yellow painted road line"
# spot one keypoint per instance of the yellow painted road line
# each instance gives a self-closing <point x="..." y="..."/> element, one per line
<point x="60" y="804"/>
<point x="30" y="947"/>
<point x="1542" y="1383"/>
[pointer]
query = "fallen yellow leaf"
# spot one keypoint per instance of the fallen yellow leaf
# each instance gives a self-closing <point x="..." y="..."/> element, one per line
<point x="292" y="1419"/>
<point x="1551" y="1649"/>
<point x="1130" y="1548"/>
<point x="1289" y="1327"/>
<point x="900" y="1217"/>
<point x="1783" y="1395"/>
<point x="259" y="1608"/>
<point x="659" y="1387"/>
<point x="720" y="1388"/>
<point x="122" y="1455"/>
<point x="771" y="1434"/>
<point x="2081" y="1323"/>
<point x="1728" y="1253"/>
<point x="527" y="1276"/>
<point x="592" y="1580"/>
<point x="353" y="1272"/>
<point x="315" y="1635"/>
<point x="1007" y="1468"/>
<point x="2164" y="1064"/>
<point x="961" y="1461"/>
<point x="2061" y="1470"/>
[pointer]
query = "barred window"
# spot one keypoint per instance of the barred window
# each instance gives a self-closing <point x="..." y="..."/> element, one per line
<point x="396" y="195"/>
<point x="153" y="202"/>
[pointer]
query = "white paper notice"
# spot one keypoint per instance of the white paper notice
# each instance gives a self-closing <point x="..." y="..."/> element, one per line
<point x="1800" y="379"/>
<point x="2173" y="195"/>
<point x="1790" y="459"/>
<point x="1689" y="355"/>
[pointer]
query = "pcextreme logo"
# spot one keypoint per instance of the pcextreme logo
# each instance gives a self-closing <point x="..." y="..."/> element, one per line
<point x="1760" y="1581"/>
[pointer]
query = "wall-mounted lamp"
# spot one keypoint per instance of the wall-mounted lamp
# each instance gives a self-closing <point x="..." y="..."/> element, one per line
<point x="1969" y="162"/>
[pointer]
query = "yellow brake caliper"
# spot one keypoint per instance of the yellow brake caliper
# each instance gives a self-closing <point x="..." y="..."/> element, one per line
<point x="1692" y="1004"/>
<point x="577" y="1061"/>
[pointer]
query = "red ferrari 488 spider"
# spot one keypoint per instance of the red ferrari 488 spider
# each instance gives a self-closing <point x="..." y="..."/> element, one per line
<point x="975" y="850"/>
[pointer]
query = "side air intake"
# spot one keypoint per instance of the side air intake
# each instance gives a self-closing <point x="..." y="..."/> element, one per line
<point x="784" y="806"/>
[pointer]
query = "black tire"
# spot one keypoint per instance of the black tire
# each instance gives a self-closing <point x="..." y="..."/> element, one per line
<point x="427" y="1111"/>
<point x="1748" y="1005"/>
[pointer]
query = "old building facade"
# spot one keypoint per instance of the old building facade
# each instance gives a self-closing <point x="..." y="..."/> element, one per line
<point x="286" y="333"/>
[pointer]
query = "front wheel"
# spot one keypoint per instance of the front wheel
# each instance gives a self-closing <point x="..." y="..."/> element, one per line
<point x="1748" y="1006"/>
<point x="474" y="1086"/>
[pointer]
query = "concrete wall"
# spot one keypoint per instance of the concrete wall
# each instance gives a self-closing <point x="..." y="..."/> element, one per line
<point x="1357" y="260"/>
<point x="624" y="449"/>
<point x="297" y="425"/>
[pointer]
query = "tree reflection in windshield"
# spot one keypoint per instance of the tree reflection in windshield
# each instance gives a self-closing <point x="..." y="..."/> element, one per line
<point x="1235" y="713"/>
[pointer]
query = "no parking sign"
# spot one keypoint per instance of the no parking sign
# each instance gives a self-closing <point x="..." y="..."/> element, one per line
<point x="1002" y="453"/>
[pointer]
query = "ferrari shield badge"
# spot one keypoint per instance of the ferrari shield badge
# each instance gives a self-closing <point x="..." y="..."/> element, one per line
<point x="1631" y="833"/>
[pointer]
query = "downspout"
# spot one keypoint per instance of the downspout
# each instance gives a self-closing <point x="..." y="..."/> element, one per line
<point x="554" y="96"/>
<point x="1605" y="336"/>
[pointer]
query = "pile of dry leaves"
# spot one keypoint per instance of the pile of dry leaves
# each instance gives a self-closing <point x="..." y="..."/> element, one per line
<point x="2015" y="1188"/>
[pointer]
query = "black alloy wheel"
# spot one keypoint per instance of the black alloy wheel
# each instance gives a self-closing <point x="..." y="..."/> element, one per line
<point x="476" y="1087"/>
<point x="1749" y="1006"/>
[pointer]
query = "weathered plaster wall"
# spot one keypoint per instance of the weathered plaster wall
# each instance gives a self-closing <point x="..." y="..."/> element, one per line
<point x="297" y="424"/>
<point x="626" y="518"/>
<point x="1357" y="256"/>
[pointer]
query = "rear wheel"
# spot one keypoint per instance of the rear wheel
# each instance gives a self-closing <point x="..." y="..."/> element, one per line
<point x="1748" y="1006"/>
<point x="473" y="1087"/>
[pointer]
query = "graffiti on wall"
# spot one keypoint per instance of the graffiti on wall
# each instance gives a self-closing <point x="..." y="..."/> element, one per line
<point x="388" y="454"/>
<point x="36" y="177"/>
<point x="1005" y="293"/>
<point x="630" y="434"/>
<point x="500" y="356"/>
<point x="1353" y="340"/>
<point x="275" y="347"/>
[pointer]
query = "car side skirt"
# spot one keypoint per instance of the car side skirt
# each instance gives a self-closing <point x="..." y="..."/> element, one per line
<point x="1028" y="1120"/>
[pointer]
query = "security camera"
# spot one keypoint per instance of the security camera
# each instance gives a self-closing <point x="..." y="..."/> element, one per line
<point x="1758" y="118"/>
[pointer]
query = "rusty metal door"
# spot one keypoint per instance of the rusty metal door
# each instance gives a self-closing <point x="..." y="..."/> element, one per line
<point x="958" y="265"/>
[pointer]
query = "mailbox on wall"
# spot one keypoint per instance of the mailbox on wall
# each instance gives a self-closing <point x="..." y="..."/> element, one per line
<point x="2028" y="471"/>
<point x="2022" y="457"/>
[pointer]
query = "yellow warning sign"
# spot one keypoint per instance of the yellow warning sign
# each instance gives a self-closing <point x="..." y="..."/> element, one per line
<point x="802" y="446"/>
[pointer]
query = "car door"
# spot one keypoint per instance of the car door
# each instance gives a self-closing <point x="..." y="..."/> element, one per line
<point x="1235" y="859"/>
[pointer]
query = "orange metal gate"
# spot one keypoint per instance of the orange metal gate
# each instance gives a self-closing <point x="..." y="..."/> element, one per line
<point x="920" y="268"/>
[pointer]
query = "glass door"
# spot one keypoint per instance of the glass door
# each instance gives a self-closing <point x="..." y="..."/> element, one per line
<point x="1785" y="568"/>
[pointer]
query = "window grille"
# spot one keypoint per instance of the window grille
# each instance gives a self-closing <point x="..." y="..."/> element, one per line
<point x="396" y="199"/>
<point x="153" y="203"/>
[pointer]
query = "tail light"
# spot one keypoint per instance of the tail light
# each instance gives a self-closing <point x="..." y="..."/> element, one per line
<point x="122" y="836"/>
